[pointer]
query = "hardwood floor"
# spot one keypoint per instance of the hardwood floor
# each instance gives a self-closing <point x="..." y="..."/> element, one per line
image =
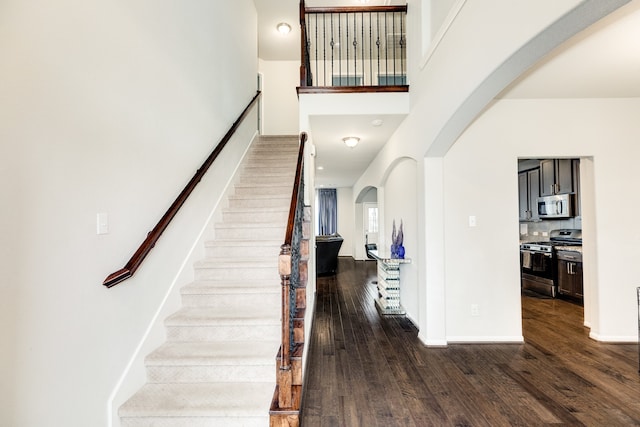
<point x="368" y="370"/>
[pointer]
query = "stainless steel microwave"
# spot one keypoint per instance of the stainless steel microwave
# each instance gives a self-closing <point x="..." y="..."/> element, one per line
<point x="558" y="206"/>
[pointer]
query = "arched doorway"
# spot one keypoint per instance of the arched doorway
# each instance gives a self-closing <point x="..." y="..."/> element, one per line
<point x="366" y="220"/>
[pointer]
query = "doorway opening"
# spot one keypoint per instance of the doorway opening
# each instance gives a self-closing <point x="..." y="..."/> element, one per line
<point x="368" y="218"/>
<point x="550" y="229"/>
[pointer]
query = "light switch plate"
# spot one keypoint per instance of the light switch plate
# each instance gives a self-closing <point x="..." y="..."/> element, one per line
<point x="102" y="223"/>
<point x="472" y="221"/>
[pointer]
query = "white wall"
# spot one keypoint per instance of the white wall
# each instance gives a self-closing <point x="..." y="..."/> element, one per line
<point x="439" y="10"/>
<point x="482" y="262"/>
<point x="346" y="220"/>
<point x="603" y="131"/>
<point x="106" y="107"/>
<point x="447" y="94"/>
<point x="402" y="180"/>
<point x="280" y="100"/>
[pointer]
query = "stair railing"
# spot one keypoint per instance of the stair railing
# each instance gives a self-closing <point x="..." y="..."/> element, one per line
<point x="143" y="250"/>
<point x="306" y="79"/>
<point x="355" y="48"/>
<point x="288" y="266"/>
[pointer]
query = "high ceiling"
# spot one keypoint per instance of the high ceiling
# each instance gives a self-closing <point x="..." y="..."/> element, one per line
<point x="275" y="47"/>
<point x="601" y="62"/>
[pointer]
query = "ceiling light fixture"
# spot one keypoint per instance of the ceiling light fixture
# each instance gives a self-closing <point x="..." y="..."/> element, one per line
<point x="283" y="28"/>
<point x="351" y="141"/>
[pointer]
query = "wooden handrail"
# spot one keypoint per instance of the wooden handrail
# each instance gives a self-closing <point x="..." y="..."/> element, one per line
<point x="352" y="89"/>
<point x="152" y="238"/>
<point x="296" y="188"/>
<point x="357" y="9"/>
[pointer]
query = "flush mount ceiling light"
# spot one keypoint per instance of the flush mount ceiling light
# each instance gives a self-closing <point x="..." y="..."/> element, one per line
<point x="351" y="141"/>
<point x="283" y="28"/>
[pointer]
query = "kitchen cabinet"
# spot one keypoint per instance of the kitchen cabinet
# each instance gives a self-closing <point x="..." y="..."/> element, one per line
<point x="556" y="176"/>
<point x="570" y="274"/>
<point x="529" y="191"/>
<point x="576" y="186"/>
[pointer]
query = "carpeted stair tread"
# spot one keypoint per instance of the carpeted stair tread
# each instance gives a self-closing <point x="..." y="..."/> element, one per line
<point x="244" y="263"/>
<point x="231" y="282"/>
<point x="199" y="400"/>
<point x="206" y="287"/>
<point x="248" y="243"/>
<point x="213" y="353"/>
<point x="205" y="316"/>
<point x="282" y="197"/>
<point x="248" y="224"/>
<point x="284" y="208"/>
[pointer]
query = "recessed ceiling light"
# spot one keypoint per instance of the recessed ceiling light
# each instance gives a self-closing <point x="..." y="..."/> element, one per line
<point x="376" y="122"/>
<point x="283" y="28"/>
<point x="320" y="168"/>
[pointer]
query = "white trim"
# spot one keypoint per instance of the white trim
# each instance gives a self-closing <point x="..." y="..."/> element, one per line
<point x="444" y="28"/>
<point x="614" y="338"/>
<point x="486" y="340"/>
<point x="432" y="343"/>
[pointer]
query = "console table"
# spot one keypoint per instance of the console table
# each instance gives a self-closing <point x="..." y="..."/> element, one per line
<point x="388" y="299"/>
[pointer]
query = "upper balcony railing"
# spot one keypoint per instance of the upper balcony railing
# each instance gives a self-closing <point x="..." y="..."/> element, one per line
<point x="353" y="48"/>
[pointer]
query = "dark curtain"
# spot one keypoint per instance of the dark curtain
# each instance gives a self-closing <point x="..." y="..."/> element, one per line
<point x="327" y="211"/>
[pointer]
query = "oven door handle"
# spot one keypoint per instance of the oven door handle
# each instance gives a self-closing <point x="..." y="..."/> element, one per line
<point x="532" y="252"/>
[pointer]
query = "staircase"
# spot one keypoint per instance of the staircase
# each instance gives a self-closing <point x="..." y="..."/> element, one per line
<point x="217" y="367"/>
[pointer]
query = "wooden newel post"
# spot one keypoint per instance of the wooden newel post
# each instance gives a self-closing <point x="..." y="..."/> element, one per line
<point x="285" y="378"/>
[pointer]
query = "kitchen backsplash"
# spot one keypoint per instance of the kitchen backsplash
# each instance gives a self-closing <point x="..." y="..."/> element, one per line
<point x="539" y="230"/>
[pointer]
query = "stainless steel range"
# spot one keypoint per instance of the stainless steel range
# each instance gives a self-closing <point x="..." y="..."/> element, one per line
<point x="538" y="261"/>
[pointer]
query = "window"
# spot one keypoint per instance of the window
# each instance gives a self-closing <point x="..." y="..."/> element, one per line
<point x="327" y="211"/>
<point x="346" y="81"/>
<point x="392" y="79"/>
<point x="372" y="224"/>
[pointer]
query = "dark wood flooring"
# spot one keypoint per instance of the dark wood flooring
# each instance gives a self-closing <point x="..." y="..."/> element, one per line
<point x="369" y="370"/>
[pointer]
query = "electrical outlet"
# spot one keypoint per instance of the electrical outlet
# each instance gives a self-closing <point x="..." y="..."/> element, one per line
<point x="475" y="310"/>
